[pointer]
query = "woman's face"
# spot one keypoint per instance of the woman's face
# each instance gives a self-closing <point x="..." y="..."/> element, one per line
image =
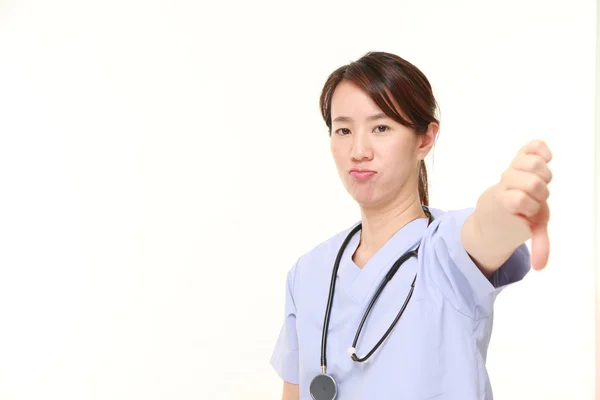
<point x="376" y="157"/>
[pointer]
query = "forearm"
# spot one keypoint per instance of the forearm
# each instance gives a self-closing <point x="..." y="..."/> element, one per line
<point x="290" y="391"/>
<point x="488" y="251"/>
<point x="492" y="233"/>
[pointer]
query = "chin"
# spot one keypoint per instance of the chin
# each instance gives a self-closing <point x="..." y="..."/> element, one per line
<point x="365" y="197"/>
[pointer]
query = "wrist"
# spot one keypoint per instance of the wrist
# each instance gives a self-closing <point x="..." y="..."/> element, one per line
<point x="498" y="227"/>
<point x="492" y="232"/>
<point x="486" y="246"/>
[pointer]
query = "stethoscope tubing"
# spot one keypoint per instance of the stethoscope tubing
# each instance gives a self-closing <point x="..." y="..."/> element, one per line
<point x="387" y="278"/>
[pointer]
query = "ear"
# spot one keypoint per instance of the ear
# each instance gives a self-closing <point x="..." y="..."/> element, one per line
<point x="427" y="140"/>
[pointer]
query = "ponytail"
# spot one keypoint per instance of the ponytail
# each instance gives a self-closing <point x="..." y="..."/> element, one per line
<point x="423" y="190"/>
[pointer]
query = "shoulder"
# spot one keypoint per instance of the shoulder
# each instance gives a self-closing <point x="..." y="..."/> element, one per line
<point x="442" y="240"/>
<point x="447" y="223"/>
<point x="320" y="258"/>
<point x="454" y="214"/>
<point x="325" y="250"/>
<point x="455" y="274"/>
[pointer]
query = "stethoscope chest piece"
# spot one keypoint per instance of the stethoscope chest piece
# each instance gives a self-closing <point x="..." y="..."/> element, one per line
<point x="323" y="387"/>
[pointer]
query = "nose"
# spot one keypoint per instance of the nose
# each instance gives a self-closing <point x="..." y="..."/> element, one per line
<point x="361" y="147"/>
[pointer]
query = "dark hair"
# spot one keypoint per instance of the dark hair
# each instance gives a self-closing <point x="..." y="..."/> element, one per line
<point x="382" y="75"/>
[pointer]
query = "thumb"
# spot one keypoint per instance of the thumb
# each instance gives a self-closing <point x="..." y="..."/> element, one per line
<point x="540" y="247"/>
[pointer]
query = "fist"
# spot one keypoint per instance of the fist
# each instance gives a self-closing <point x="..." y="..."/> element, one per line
<point x="523" y="193"/>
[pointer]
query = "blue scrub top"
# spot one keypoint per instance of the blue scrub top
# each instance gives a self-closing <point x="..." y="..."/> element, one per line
<point x="439" y="346"/>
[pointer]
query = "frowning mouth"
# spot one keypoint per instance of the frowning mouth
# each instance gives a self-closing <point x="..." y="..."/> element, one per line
<point x="361" y="174"/>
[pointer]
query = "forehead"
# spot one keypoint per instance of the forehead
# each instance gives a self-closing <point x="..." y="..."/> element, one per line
<point x="349" y="100"/>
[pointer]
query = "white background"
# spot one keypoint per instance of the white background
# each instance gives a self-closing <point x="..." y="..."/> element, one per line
<point x="163" y="164"/>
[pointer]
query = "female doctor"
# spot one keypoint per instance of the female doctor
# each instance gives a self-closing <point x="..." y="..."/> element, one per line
<point x="400" y="305"/>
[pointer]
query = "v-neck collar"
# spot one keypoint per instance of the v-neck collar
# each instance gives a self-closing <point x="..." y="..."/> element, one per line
<point x="360" y="281"/>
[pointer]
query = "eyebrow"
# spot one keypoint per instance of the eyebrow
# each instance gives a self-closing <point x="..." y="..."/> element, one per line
<point x="371" y="118"/>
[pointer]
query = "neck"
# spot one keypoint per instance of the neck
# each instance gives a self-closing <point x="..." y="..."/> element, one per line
<point x="379" y="225"/>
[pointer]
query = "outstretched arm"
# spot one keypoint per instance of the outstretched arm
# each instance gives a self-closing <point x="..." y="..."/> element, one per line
<point x="512" y="212"/>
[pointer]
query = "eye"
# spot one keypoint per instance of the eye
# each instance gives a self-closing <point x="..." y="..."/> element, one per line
<point x="342" y="131"/>
<point x="381" y="128"/>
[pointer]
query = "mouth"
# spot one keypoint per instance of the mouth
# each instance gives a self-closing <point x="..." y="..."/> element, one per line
<point x="361" y="174"/>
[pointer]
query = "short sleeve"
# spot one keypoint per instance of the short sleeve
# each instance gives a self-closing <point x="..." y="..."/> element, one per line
<point x="285" y="355"/>
<point x="452" y="270"/>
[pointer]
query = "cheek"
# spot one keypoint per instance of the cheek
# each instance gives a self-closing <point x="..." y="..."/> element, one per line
<point x="398" y="160"/>
<point x="338" y="154"/>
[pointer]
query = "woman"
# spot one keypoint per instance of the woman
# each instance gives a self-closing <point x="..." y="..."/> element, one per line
<point x="437" y="308"/>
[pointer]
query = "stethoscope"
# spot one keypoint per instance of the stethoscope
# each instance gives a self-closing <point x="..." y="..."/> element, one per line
<point x="323" y="386"/>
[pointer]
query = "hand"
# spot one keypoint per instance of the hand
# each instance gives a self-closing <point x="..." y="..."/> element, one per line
<point x="517" y="206"/>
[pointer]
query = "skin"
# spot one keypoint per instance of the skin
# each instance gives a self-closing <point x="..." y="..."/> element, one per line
<point x="290" y="391"/>
<point x="506" y="215"/>
<point x="513" y="211"/>
<point x="363" y="137"/>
